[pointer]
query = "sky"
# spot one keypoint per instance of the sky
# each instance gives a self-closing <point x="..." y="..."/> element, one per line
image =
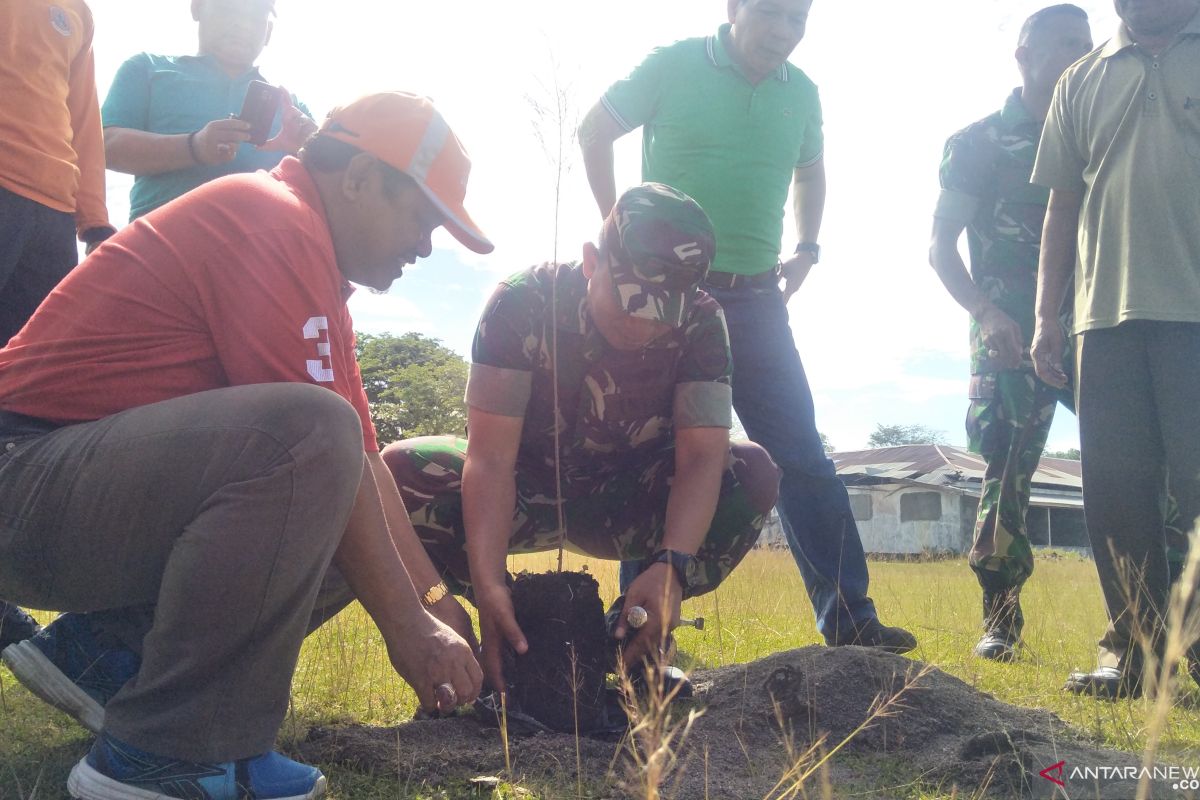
<point x="881" y="340"/>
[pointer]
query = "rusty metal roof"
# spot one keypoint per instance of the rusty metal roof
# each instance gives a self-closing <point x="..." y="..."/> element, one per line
<point x="942" y="464"/>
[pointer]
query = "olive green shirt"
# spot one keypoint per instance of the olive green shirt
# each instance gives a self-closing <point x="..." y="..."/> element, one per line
<point x="730" y="144"/>
<point x="1124" y="130"/>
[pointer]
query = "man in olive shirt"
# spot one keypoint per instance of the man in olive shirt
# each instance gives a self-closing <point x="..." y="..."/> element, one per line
<point x="1121" y="155"/>
<point x="729" y="121"/>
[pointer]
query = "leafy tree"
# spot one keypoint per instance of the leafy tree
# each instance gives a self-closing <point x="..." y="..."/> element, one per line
<point x="826" y="445"/>
<point x="897" y="435"/>
<point x="414" y="385"/>
<point x="1071" y="454"/>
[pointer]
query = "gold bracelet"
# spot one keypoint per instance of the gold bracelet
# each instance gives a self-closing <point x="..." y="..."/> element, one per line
<point x="434" y="594"/>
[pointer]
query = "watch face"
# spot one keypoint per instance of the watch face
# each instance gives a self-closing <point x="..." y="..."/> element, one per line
<point x="692" y="574"/>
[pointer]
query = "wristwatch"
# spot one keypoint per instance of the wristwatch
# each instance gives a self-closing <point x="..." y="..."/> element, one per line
<point x="687" y="567"/>
<point x="812" y="248"/>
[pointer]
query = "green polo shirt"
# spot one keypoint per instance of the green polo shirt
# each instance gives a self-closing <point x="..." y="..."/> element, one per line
<point x="1124" y="130"/>
<point x="730" y="144"/>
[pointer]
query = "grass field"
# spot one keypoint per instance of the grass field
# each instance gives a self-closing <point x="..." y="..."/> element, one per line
<point x="344" y="673"/>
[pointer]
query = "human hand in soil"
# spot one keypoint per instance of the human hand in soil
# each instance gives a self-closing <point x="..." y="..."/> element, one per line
<point x="658" y="591"/>
<point x="451" y="612"/>
<point x="438" y="663"/>
<point x="498" y="629"/>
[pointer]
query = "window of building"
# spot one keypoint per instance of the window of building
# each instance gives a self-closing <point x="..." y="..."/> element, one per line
<point x="860" y="506"/>
<point x="920" y="507"/>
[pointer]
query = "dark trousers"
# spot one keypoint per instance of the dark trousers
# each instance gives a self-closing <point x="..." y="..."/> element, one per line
<point x="221" y="510"/>
<point x="1139" y="431"/>
<point x="37" y="250"/>
<point x="773" y="401"/>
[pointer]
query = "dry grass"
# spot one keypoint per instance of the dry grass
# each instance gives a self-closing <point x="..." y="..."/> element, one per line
<point x="344" y="673"/>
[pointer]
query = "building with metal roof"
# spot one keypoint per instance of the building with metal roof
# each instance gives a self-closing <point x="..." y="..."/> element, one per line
<point x="924" y="499"/>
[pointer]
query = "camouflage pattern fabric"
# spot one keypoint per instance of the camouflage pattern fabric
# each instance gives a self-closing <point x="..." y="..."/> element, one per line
<point x="992" y="160"/>
<point x="619" y="516"/>
<point x="615" y="407"/>
<point x="1007" y="423"/>
<point x="662" y="244"/>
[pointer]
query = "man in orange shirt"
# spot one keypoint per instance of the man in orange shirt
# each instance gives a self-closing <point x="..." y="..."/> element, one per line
<point x="51" y="170"/>
<point x="183" y="428"/>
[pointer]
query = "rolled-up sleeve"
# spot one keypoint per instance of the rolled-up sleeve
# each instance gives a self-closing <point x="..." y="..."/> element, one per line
<point x="499" y="391"/>
<point x="703" y="387"/>
<point x="703" y="404"/>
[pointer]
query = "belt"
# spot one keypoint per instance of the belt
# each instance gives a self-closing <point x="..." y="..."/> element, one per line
<point x="730" y="280"/>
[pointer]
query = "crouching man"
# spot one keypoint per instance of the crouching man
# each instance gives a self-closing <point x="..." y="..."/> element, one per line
<point x="185" y="449"/>
<point x="608" y="385"/>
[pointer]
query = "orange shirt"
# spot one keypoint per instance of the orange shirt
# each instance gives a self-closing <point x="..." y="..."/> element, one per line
<point x="51" y="143"/>
<point x="234" y="283"/>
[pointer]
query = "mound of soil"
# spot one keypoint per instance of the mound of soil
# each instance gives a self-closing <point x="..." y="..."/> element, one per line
<point x="933" y="728"/>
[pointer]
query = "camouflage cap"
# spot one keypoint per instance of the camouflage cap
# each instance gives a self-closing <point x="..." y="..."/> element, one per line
<point x="661" y="244"/>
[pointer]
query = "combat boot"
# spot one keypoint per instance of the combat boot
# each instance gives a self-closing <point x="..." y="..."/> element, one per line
<point x="1002" y="624"/>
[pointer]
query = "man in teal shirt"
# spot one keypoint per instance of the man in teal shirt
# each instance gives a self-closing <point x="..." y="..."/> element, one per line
<point x="170" y="120"/>
<point x="729" y="121"/>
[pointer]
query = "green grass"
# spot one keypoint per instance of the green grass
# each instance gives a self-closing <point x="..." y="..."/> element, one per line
<point x="344" y="673"/>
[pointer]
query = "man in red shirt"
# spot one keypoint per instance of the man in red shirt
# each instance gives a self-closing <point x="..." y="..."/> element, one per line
<point x="182" y="437"/>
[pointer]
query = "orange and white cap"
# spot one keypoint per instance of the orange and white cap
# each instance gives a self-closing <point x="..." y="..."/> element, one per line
<point x="407" y="132"/>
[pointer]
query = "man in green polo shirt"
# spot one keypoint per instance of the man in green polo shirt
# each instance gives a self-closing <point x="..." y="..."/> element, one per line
<point x="986" y="192"/>
<point x="729" y="121"/>
<point x="1120" y="154"/>
<point x="171" y="120"/>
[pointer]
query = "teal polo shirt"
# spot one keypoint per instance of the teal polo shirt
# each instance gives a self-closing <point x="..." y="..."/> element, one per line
<point x="181" y="94"/>
<point x="730" y="144"/>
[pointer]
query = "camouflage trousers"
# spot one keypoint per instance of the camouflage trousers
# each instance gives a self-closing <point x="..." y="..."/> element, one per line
<point x="1007" y="423"/>
<point x="617" y="515"/>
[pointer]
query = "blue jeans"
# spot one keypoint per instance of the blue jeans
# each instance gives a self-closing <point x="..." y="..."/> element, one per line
<point x="773" y="401"/>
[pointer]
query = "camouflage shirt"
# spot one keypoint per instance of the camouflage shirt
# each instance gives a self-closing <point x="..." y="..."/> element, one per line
<point x="614" y="406"/>
<point x="985" y="185"/>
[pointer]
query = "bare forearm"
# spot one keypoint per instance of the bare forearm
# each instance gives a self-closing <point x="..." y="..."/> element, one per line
<point x="598" y="163"/>
<point x="368" y="559"/>
<point x="808" y="201"/>
<point x="144" y="153"/>
<point x="1057" y="258"/>
<point x="693" y="500"/>
<point x="412" y="553"/>
<point x="597" y="133"/>
<point x="950" y="269"/>
<point x="489" y="498"/>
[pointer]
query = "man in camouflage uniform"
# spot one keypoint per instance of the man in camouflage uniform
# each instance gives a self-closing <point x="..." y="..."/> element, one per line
<point x="986" y="190"/>
<point x="608" y="385"/>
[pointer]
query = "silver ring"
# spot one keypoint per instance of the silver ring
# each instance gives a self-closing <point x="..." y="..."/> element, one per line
<point x="448" y="690"/>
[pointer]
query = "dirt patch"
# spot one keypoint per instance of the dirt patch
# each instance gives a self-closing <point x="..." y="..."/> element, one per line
<point x="936" y="730"/>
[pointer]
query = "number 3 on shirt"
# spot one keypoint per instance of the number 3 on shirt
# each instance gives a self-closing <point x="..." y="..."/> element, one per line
<point x="320" y="368"/>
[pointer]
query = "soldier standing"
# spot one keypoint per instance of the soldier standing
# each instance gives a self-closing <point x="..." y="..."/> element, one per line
<point x="986" y="191"/>
<point x="607" y="385"/>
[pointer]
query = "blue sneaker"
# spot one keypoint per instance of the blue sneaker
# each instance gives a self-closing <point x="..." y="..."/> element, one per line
<point x="71" y="668"/>
<point x="113" y="770"/>
<point x="15" y="625"/>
